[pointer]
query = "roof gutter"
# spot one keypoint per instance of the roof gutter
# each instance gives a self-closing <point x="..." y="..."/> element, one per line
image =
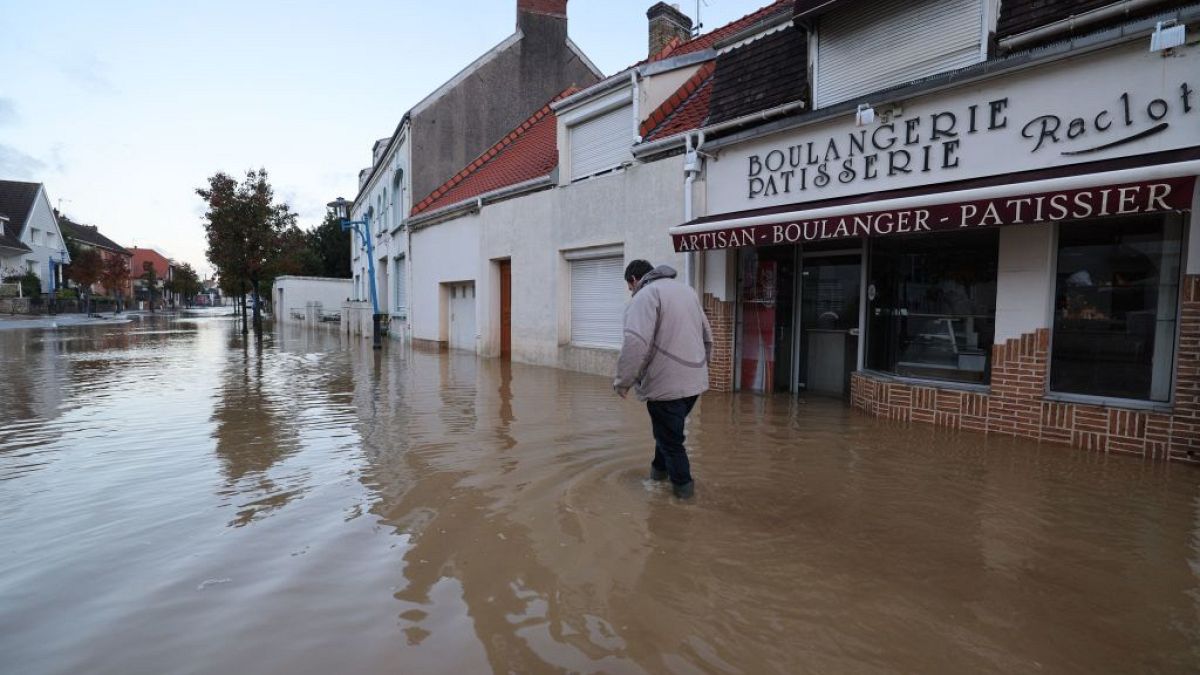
<point x="1073" y="22"/>
<point x="615" y="82"/>
<point x="680" y="139"/>
<point x="424" y="220"/>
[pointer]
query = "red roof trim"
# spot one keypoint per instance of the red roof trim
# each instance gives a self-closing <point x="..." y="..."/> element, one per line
<point x="677" y="99"/>
<point x="487" y="156"/>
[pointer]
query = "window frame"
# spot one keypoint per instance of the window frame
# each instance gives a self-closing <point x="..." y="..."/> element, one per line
<point x="1168" y="405"/>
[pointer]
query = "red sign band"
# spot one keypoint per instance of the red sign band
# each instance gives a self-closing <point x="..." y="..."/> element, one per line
<point x="1169" y="194"/>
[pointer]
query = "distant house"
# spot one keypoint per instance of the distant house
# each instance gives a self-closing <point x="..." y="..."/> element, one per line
<point x="89" y="237"/>
<point x="164" y="268"/>
<point x="30" y="238"/>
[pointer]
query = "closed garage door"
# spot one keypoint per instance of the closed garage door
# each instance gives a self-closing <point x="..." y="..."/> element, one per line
<point x="462" y="316"/>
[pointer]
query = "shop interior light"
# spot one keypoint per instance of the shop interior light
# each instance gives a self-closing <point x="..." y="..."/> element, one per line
<point x="1167" y="35"/>
<point x="865" y="115"/>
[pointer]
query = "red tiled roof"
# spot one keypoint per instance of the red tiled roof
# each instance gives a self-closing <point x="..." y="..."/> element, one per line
<point x="530" y="151"/>
<point x="685" y="109"/>
<point x="711" y="38"/>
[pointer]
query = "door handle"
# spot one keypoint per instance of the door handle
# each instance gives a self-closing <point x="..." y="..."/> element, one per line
<point x="854" y="332"/>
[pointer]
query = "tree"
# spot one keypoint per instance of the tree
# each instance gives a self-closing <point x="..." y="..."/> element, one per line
<point x="85" y="270"/>
<point x="296" y="255"/>
<point x="245" y="228"/>
<point x="114" y="276"/>
<point x="331" y="245"/>
<point x="186" y="283"/>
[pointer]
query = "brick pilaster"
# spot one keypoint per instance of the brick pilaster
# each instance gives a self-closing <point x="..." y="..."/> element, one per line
<point x="1016" y="403"/>
<point x="722" y="316"/>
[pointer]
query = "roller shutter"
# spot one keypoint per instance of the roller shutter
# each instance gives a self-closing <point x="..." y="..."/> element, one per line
<point x="858" y="53"/>
<point x="601" y="143"/>
<point x="598" y="295"/>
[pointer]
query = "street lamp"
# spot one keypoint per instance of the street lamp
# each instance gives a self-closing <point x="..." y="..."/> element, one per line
<point x="340" y="209"/>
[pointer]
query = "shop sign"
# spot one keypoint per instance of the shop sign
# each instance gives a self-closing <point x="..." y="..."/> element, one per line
<point x="1115" y="104"/>
<point x="1172" y="194"/>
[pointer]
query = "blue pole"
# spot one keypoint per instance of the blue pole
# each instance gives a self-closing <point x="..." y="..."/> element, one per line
<point x="363" y="228"/>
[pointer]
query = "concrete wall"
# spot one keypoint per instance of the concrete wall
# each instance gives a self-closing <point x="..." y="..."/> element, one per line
<point x="631" y="208"/>
<point x="1024" y="280"/>
<point x="294" y="297"/>
<point x="487" y="103"/>
<point x="444" y="253"/>
<point x="655" y="90"/>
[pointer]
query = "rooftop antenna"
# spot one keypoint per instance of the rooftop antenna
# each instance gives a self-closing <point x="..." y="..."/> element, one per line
<point x="699" y="24"/>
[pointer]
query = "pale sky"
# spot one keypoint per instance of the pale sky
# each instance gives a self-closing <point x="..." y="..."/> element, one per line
<point x="122" y="108"/>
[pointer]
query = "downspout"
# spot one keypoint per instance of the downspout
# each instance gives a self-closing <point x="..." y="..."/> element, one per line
<point x="637" y="122"/>
<point x="691" y="168"/>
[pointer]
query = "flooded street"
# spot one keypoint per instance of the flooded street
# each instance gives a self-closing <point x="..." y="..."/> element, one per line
<point x="174" y="499"/>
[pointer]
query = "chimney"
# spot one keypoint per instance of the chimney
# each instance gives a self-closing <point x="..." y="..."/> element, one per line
<point x="554" y="8"/>
<point x="543" y="21"/>
<point x="667" y="22"/>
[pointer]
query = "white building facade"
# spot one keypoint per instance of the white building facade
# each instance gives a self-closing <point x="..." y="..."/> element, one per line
<point x="30" y="238"/>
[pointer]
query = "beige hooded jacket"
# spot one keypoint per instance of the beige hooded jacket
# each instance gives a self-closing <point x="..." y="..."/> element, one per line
<point x="668" y="340"/>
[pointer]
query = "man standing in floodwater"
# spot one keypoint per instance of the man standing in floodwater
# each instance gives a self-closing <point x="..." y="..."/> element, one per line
<point x="664" y="357"/>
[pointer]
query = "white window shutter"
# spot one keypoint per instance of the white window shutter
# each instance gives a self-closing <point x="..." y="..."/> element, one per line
<point x="871" y="46"/>
<point x="601" y="143"/>
<point x="401" y="296"/>
<point x="598" y="295"/>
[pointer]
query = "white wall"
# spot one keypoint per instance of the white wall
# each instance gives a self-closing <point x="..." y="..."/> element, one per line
<point x="1024" y="280"/>
<point x="443" y="253"/>
<point x="41" y="218"/>
<point x="632" y="208"/>
<point x="389" y="214"/>
<point x="294" y="294"/>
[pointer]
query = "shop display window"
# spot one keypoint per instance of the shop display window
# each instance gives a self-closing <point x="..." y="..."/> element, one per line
<point x="1116" y="307"/>
<point x="932" y="306"/>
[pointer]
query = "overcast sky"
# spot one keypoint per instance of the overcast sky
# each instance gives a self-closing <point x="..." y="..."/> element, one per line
<point x="123" y="108"/>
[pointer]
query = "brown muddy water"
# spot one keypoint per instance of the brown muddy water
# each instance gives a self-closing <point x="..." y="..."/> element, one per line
<point x="175" y="500"/>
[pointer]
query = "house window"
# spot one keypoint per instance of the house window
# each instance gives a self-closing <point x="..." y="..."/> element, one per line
<point x="1116" y="307"/>
<point x="598" y="297"/>
<point x="385" y="212"/>
<point x="932" y="306"/>
<point x="398" y="198"/>
<point x="401" y="297"/>
<point x="35" y="236"/>
<point x="602" y="142"/>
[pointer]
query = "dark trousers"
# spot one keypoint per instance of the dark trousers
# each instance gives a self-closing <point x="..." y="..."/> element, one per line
<point x="667" y="418"/>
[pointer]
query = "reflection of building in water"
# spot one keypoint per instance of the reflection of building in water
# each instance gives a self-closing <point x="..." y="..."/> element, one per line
<point x="253" y="432"/>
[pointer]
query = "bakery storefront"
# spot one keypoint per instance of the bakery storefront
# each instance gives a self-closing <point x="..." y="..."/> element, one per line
<point x="1009" y="255"/>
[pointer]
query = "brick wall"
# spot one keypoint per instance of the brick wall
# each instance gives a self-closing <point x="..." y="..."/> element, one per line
<point x="550" y="7"/>
<point x="1015" y="405"/>
<point x="722" y="316"/>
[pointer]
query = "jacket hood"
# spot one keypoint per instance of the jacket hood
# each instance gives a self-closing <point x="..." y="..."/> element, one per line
<point x="660" y="272"/>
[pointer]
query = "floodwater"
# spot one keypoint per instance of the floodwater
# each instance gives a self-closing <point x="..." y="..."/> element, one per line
<point x="174" y="499"/>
